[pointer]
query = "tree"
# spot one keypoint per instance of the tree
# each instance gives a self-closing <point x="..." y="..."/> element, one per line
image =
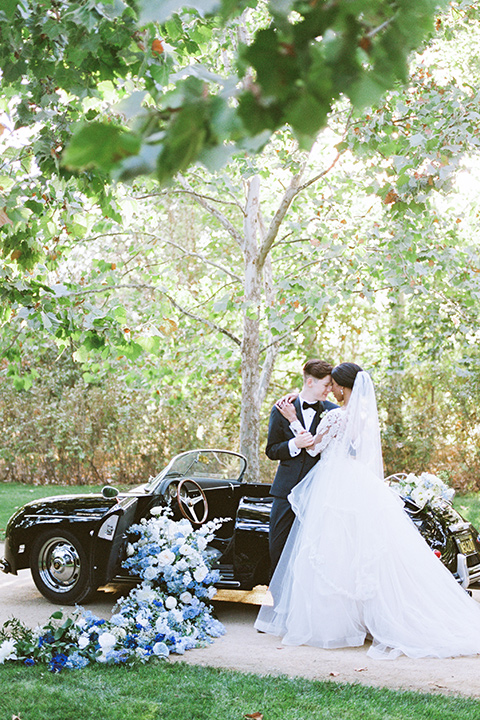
<point x="189" y="116"/>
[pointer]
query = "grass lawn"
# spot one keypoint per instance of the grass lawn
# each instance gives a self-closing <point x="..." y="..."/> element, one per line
<point x="181" y="692"/>
<point x="14" y="495"/>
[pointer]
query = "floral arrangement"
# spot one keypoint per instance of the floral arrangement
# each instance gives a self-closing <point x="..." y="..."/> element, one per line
<point x="168" y="612"/>
<point x="423" y="489"/>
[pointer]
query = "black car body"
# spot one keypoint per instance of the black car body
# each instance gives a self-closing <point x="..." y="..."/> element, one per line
<point x="453" y="539"/>
<point x="75" y="544"/>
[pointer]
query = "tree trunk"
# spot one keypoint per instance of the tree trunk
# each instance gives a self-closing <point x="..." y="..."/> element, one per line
<point x="250" y="348"/>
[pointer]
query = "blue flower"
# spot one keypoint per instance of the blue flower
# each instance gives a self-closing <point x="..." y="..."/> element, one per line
<point x="119" y="656"/>
<point x="46" y="639"/>
<point x="57" y="663"/>
<point x="29" y="661"/>
<point x="130" y="641"/>
<point x="76" y="661"/>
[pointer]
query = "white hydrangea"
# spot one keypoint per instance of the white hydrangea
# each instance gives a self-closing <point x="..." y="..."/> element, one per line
<point x="7" y="651"/>
<point x="83" y="641"/>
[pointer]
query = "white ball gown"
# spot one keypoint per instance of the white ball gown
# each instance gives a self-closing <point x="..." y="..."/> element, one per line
<point x="354" y="563"/>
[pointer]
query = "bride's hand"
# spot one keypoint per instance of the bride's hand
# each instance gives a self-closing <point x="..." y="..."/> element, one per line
<point x="287" y="409"/>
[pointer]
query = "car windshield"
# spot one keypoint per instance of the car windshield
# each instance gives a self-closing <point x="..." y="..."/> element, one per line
<point x="198" y="464"/>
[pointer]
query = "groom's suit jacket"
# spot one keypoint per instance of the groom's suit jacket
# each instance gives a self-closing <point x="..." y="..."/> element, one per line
<point x="290" y="469"/>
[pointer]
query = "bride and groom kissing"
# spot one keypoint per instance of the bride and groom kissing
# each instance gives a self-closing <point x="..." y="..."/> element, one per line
<point x="348" y="563"/>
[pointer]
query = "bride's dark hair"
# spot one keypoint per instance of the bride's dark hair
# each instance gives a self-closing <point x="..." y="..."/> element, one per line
<point x="345" y="374"/>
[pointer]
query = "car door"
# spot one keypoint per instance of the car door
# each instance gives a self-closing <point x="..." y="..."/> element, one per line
<point x="109" y="540"/>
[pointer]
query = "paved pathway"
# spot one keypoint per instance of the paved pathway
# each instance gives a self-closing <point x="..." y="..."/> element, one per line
<point x="242" y="648"/>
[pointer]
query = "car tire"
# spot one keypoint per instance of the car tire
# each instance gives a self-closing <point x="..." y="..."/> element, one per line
<point x="59" y="567"/>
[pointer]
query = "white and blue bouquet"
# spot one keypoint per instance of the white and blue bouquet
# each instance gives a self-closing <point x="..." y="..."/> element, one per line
<point x="170" y="611"/>
<point x="423" y="489"/>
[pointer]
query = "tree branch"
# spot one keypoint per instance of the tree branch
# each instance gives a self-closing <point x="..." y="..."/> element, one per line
<point x="222" y="219"/>
<point x="184" y="311"/>
<point x="289" y="332"/>
<point x="279" y="216"/>
<point x="195" y="255"/>
<point x="204" y="321"/>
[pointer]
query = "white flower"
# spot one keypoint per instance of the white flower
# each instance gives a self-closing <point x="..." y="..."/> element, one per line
<point x="119" y="632"/>
<point x="200" y="573"/>
<point x="166" y="557"/>
<point x="7" y="651"/>
<point x="201" y="543"/>
<point x="130" y="550"/>
<point x="143" y="621"/>
<point x="170" y="602"/>
<point x="185" y="549"/>
<point x="211" y="592"/>
<point x="158" y="510"/>
<point x="160" y="649"/>
<point x="186" y="597"/>
<point x="161" y="626"/>
<point x="145" y="594"/>
<point x="181" y="565"/>
<point x="83" y="641"/>
<point x="107" y="641"/>
<point x="176" y="615"/>
<point x="150" y="573"/>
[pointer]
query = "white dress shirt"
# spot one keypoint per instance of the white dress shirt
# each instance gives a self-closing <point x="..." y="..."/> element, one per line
<point x="308" y="414"/>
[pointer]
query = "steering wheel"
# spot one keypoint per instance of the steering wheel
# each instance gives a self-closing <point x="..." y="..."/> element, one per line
<point x="189" y="495"/>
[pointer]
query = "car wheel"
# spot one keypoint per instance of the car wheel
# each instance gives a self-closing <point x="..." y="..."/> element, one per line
<point x="60" y="568"/>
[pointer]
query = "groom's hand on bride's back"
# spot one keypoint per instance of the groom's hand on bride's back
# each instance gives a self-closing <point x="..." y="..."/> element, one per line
<point x="287" y="399"/>
<point x="286" y="408"/>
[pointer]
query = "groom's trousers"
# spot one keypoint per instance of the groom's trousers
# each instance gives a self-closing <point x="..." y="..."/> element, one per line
<point x="281" y="521"/>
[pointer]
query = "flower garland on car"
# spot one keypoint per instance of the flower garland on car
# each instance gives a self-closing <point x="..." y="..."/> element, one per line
<point x="424" y="489"/>
<point x="168" y="612"/>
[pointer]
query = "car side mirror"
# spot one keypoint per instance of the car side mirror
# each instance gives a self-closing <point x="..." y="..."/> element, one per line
<point x="109" y="492"/>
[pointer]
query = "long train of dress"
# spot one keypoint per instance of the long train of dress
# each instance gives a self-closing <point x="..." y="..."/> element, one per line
<point x="354" y="564"/>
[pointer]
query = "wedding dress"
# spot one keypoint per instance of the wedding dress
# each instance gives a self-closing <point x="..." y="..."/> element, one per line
<point x="354" y="563"/>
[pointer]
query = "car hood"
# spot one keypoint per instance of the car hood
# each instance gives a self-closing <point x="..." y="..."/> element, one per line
<point x="91" y="506"/>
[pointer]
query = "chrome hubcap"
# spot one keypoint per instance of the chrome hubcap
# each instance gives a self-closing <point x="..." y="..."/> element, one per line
<point x="59" y="565"/>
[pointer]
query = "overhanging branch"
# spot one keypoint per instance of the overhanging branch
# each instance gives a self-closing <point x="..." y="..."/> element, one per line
<point x="177" y="306"/>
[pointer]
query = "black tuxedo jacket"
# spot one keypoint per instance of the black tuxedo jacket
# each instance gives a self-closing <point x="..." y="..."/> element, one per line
<point x="291" y="469"/>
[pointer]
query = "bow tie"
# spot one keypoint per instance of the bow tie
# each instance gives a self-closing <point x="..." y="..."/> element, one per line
<point x="314" y="405"/>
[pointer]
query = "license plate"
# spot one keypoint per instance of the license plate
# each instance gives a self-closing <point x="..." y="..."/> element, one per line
<point x="466" y="546"/>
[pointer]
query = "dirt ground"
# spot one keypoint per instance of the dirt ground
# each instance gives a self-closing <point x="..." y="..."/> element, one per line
<point x="244" y="649"/>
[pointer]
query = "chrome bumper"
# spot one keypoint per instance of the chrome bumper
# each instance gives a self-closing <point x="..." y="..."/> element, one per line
<point x="466" y="576"/>
<point x="462" y="571"/>
<point x="5" y="566"/>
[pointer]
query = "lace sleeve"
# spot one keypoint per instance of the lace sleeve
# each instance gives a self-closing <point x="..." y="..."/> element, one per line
<point x="327" y="430"/>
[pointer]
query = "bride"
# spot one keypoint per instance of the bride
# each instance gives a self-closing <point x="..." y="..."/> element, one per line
<point x="354" y="564"/>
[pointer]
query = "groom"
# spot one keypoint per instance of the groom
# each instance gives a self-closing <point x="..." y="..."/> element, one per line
<point x="283" y="445"/>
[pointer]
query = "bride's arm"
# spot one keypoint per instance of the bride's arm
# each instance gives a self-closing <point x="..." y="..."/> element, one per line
<point x="326" y="432"/>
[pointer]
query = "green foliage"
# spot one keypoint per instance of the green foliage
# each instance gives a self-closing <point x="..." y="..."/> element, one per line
<point x="55" y="57"/>
<point x="71" y="426"/>
<point x="140" y="288"/>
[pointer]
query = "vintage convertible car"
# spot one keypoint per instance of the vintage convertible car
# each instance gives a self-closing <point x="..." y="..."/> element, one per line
<point x="75" y="544"/>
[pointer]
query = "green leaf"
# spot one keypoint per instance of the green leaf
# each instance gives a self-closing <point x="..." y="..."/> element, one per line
<point x="159" y="12"/>
<point x="307" y="115"/>
<point x="99" y="145"/>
